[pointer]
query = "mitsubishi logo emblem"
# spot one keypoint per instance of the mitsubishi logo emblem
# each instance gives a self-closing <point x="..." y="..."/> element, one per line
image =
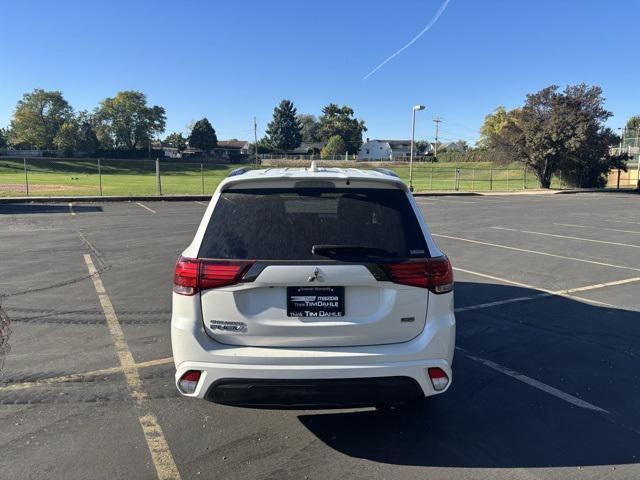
<point x="314" y="276"/>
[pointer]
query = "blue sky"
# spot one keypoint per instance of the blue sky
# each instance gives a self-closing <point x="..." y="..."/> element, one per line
<point x="232" y="60"/>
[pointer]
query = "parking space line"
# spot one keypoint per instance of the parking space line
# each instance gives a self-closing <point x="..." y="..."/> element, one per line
<point x="619" y="221"/>
<point x="158" y="447"/>
<point x="145" y="207"/>
<point x="567" y="237"/>
<point x="598" y="227"/>
<point x="507" y="247"/>
<point x="73" y="214"/>
<point x="78" y="377"/>
<point x="578" y="402"/>
<point x="568" y="293"/>
<point x="202" y="203"/>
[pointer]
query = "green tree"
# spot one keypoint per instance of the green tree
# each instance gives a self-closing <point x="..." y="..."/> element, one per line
<point x="126" y="121"/>
<point x="38" y="117"/>
<point x="423" y="147"/>
<point x="311" y="129"/>
<point x="3" y="138"/>
<point x="335" y="146"/>
<point x="203" y="136"/>
<point x="493" y="125"/>
<point x="633" y="123"/>
<point x="283" y="131"/>
<point x="87" y="140"/>
<point x="176" y="140"/>
<point x="340" y="121"/>
<point x="560" y="132"/>
<point x="67" y="137"/>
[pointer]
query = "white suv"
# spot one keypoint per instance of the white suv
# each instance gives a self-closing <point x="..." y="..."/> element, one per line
<point x="317" y="287"/>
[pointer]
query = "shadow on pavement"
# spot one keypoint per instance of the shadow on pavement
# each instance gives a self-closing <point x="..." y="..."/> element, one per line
<point x="25" y="208"/>
<point x="491" y="420"/>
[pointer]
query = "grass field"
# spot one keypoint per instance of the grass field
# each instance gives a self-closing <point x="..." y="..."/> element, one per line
<point x="136" y="177"/>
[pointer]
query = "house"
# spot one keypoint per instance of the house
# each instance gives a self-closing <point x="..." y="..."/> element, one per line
<point x="230" y="147"/>
<point x="454" y="147"/>
<point x="386" y="149"/>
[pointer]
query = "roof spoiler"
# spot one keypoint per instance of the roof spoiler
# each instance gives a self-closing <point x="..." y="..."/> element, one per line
<point x="386" y="171"/>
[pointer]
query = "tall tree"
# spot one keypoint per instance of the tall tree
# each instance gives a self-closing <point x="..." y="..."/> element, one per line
<point x="176" y="140"/>
<point x="633" y="123"/>
<point x="126" y="121"/>
<point x="67" y="137"/>
<point x="311" y="128"/>
<point x="203" y="136"/>
<point x="493" y="125"/>
<point x="560" y="132"/>
<point x="87" y="140"/>
<point x="284" y="130"/>
<point x="340" y="121"/>
<point x="335" y="146"/>
<point x="3" y="138"/>
<point x="38" y="117"/>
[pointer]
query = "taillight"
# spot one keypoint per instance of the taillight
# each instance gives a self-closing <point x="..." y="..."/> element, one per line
<point x="439" y="379"/>
<point x="185" y="279"/>
<point x="189" y="381"/>
<point x="434" y="274"/>
<point x="193" y="275"/>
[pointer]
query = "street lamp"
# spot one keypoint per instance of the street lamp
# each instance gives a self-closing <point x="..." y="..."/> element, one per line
<point x="413" y="135"/>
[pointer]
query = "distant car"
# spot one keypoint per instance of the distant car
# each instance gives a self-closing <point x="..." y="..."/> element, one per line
<point x="318" y="287"/>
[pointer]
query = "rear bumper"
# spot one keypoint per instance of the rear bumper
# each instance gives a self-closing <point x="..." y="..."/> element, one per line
<point x="237" y="370"/>
<point x="313" y="385"/>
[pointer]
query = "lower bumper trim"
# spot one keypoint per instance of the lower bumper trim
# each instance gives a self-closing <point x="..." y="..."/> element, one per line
<point x="313" y="393"/>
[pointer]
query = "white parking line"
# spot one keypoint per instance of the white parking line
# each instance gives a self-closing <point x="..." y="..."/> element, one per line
<point x="567" y="293"/>
<point x="567" y="237"/>
<point x="202" y="203"/>
<point x="578" y="402"/>
<point x="620" y="221"/>
<point x="497" y="245"/>
<point x="79" y="377"/>
<point x="161" y="456"/>
<point x="146" y="208"/>
<point x="598" y="228"/>
<point x="71" y="210"/>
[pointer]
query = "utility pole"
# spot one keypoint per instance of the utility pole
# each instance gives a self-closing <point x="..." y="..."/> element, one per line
<point x="255" y="137"/>
<point x="437" y="121"/>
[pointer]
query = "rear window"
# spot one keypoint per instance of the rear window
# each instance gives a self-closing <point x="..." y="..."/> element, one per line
<point x="284" y="224"/>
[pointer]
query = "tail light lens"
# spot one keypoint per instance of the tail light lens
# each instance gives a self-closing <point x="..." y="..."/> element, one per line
<point x="189" y="381"/>
<point x="439" y="379"/>
<point x="193" y="275"/>
<point x="434" y="274"/>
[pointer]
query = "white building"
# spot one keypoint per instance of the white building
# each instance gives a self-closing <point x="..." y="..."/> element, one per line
<point x="388" y="149"/>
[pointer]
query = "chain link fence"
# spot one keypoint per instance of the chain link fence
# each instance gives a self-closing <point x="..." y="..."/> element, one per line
<point x="37" y="177"/>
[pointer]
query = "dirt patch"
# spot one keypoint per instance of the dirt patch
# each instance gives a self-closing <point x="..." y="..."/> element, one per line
<point x="19" y="187"/>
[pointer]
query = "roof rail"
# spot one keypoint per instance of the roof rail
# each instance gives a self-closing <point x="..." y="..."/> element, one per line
<point x="386" y="171"/>
<point x="238" y="171"/>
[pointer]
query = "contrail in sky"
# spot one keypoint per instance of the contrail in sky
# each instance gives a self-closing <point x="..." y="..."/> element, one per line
<point x="413" y="40"/>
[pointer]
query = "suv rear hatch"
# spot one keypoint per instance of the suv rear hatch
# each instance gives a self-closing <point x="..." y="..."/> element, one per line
<point x="314" y="267"/>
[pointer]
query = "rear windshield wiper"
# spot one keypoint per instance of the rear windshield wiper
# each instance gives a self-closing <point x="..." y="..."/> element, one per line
<point x="351" y="251"/>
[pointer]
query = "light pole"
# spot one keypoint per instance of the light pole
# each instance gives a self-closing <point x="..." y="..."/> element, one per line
<point x="413" y="135"/>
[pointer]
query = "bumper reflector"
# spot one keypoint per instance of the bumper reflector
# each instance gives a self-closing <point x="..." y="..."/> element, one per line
<point x="438" y="378"/>
<point x="189" y="381"/>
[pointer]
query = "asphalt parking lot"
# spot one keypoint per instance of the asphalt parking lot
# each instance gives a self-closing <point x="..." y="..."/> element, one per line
<point x="546" y="376"/>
